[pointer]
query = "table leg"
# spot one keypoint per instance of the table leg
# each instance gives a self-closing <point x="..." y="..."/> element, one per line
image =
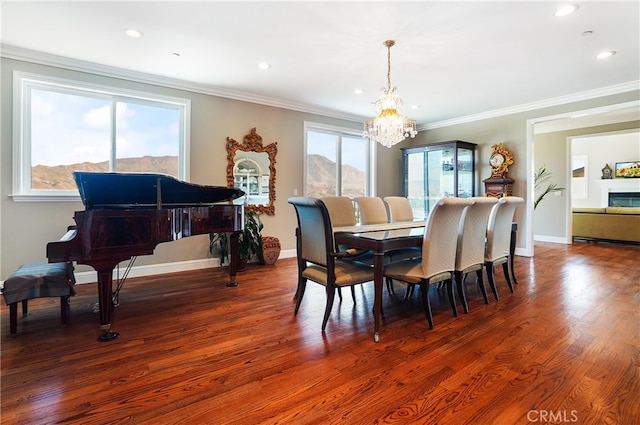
<point x="378" y="269"/>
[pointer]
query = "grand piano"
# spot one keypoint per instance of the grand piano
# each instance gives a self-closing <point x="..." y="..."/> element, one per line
<point x="128" y="214"/>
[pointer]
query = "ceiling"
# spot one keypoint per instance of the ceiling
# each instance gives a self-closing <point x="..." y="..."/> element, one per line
<point x="453" y="59"/>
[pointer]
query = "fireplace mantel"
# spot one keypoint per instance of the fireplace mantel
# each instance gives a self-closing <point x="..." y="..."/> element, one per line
<point x="616" y="185"/>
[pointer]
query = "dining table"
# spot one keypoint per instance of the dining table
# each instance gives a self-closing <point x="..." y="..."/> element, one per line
<point x="385" y="237"/>
<point x="379" y="239"/>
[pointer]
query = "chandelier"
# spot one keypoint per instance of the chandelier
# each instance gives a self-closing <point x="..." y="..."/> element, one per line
<point x="389" y="127"/>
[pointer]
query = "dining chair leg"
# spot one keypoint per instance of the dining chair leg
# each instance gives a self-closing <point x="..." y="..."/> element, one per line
<point x="302" y="285"/>
<point x="460" y="277"/>
<point x="331" y="292"/>
<point x="505" y="268"/>
<point x="483" y="289"/>
<point x="390" y="289"/>
<point x="424" y="289"/>
<point x="353" y="294"/>
<point x="409" y="292"/>
<point x="452" y="296"/>
<point x="298" y="288"/>
<point x="492" y="282"/>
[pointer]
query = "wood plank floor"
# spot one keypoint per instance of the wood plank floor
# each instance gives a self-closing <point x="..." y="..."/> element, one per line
<point x="564" y="348"/>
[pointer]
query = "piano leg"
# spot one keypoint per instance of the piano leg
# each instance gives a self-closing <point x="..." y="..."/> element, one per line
<point x="105" y="302"/>
<point x="233" y="258"/>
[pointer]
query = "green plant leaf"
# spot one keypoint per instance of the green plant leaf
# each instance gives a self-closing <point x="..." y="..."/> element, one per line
<point x="540" y="178"/>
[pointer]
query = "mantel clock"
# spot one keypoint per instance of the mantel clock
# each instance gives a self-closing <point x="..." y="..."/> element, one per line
<point x="499" y="185"/>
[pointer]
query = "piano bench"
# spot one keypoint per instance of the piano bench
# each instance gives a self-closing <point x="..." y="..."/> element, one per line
<point x="38" y="280"/>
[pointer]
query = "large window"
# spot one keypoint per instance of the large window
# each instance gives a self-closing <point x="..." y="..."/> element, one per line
<point x="337" y="162"/>
<point x="64" y="126"/>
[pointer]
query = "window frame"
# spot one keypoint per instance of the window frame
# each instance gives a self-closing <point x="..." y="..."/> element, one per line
<point x="24" y="82"/>
<point x="370" y="189"/>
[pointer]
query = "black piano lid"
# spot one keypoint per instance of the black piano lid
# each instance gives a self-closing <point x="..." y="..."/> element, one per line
<point x="115" y="190"/>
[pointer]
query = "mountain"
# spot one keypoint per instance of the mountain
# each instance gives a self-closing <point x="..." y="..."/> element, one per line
<point x="321" y="174"/>
<point x="60" y="177"/>
<point x="321" y="178"/>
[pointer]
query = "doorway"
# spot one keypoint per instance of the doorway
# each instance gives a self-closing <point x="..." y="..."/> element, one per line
<point x="558" y="156"/>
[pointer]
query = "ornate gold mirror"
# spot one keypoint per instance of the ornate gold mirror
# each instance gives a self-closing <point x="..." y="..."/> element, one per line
<point x="252" y="168"/>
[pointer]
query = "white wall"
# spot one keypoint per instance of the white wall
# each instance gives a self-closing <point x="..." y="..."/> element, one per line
<point x="604" y="149"/>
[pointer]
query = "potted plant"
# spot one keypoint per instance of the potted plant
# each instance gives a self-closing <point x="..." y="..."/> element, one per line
<point x="540" y="179"/>
<point x="249" y="242"/>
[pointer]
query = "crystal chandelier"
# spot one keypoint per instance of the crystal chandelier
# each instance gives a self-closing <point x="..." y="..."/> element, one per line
<point x="389" y="127"/>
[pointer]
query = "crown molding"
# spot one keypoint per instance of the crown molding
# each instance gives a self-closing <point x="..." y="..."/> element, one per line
<point x="21" y="54"/>
<point x="41" y="58"/>
<point x="561" y="100"/>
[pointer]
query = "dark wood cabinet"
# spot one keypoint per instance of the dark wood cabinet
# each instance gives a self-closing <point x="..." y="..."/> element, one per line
<point x="438" y="170"/>
<point x="498" y="187"/>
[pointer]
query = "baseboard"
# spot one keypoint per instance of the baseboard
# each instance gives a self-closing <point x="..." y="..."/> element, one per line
<point x="552" y="239"/>
<point x="164" y="268"/>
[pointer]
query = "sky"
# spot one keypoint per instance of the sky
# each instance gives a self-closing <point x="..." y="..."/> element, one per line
<point x="325" y="144"/>
<point x="69" y="129"/>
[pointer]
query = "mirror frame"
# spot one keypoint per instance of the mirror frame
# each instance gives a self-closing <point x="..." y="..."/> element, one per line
<point x="252" y="142"/>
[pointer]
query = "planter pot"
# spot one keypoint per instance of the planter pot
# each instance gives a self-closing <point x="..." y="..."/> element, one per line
<point x="270" y="249"/>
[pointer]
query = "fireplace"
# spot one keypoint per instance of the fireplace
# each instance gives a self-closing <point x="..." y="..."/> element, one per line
<point x="624" y="199"/>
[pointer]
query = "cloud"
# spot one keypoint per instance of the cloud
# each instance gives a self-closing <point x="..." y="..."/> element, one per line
<point x="41" y="107"/>
<point x="101" y="117"/>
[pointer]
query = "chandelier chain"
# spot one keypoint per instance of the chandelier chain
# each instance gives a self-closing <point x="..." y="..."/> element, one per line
<point x="389" y="127"/>
<point x="389" y="43"/>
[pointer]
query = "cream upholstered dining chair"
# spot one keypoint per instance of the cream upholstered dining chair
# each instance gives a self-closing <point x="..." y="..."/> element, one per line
<point x="472" y="236"/>
<point x="372" y="210"/>
<point x="340" y="210"/>
<point x="499" y="239"/>
<point x="343" y="214"/>
<point x="398" y="209"/>
<point x="438" y="253"/>
<point x="317" y="259"/>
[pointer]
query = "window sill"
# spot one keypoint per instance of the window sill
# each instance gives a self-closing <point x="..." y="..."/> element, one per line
<point x="45" y="197"/>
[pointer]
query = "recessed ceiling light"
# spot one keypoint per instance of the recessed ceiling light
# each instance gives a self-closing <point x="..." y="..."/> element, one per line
<point x="133" y="33"/>
<point x="358" y="91"/>
<point x="605" y="54"/>
<point x="567" y="9"/>
<point x="264" y="65"/>
<point x="415" y="106"/>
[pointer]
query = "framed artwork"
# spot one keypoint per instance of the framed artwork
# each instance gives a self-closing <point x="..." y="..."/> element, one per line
<point x="579" y="177"/>
<point x="628" y="169"/>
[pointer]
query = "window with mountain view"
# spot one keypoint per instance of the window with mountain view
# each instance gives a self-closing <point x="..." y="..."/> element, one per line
<point x="67" y="126"/>
<point x="337" y="163"/>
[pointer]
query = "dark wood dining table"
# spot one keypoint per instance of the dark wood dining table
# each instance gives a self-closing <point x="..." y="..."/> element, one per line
<point x="381" y="238"/>
<point x="378" y="240"/>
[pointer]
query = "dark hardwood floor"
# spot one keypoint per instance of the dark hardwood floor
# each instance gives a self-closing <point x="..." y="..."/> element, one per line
<point x="564" y="348"/>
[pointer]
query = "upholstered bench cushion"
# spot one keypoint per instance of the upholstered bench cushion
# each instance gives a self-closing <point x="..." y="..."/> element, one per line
<point x="38" y="280"/>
